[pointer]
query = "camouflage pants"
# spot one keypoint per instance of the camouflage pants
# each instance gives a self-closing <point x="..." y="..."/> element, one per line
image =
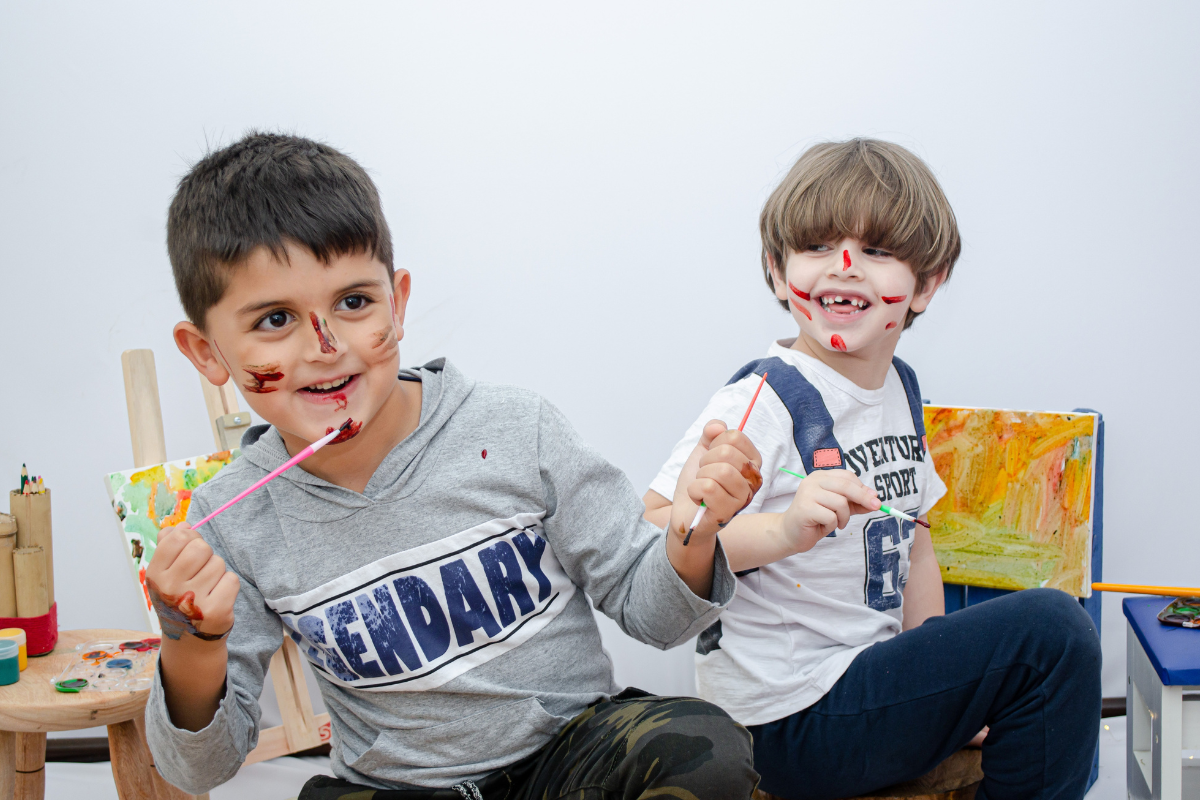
<point x="632" y="746"/>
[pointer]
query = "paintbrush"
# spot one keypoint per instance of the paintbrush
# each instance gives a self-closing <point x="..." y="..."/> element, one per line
<point x="275" y="473"/>
<point x="1165" y="591"/>
<point x="883" y="508"/>
<point x="700" y="511"/>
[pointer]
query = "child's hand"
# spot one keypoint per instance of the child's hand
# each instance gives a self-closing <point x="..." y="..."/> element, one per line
<point x="189" y="586"/>
<point x="727" y="476"/>
<point x="825" y="501"/>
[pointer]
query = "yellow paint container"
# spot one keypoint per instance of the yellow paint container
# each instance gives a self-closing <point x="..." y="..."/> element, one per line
<point x="18" y="636"/>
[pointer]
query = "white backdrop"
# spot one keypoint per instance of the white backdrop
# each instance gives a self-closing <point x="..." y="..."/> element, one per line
<point x="576" y="192"/>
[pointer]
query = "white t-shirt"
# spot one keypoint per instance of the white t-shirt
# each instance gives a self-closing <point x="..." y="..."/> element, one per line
<point x="783" y="646"/>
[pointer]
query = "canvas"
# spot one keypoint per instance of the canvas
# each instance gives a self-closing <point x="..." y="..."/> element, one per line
<point x="147" y="499"/>
<point x="1018" y="507"/>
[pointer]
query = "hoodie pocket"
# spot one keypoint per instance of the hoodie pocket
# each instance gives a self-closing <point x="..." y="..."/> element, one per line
<point x="479" y="743"/>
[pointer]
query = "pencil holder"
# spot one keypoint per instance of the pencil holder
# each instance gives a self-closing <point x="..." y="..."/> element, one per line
<point x="10" y="669"/>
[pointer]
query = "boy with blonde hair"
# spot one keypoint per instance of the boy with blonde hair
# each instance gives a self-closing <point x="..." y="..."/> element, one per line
<point x="836" y="652"/>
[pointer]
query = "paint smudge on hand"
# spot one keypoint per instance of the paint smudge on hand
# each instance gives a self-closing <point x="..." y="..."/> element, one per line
<point x="836" y="343"/>
<point x="754" y="477"/>
<point x="889" y="326"/>
<point x="845" y="260"/>
<point x="350" y="430"/>
<point x="897" y="299"/>
<point x="261" y="375"/>
<point x="324" y="335"/>
<point x="175" y="614"/>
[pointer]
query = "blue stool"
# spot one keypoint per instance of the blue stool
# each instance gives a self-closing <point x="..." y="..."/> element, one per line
<point x="1162" y="701"/>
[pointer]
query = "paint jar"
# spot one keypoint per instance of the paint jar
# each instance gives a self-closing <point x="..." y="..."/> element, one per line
<point x="10" y="669"/>
<point x="18" y="636"/>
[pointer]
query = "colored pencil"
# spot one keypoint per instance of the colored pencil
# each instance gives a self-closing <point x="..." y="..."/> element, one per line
<point x="883" y="508"/>
<point x="275" y="473"/>
<point x="1165" y="591"/>
<point x="700" y="511"/>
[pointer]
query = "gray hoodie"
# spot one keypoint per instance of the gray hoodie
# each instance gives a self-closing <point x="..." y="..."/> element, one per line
<point x="440" y="609"/>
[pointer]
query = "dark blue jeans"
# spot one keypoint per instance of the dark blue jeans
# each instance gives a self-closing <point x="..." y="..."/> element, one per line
<point x="1026" y="664"/>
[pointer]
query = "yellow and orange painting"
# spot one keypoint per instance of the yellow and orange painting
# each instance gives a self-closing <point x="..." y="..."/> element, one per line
<point x="1018" y="507"/>
<point x="148" y="499"/>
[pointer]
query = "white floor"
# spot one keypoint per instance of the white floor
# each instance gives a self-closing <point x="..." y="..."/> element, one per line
<point x="282" y="778"/>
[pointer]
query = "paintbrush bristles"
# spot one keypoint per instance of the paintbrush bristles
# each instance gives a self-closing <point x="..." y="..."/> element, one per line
<point x="345" y="426"/>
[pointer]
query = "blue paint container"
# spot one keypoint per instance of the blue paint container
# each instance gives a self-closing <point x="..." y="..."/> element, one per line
<point x="10" y="664"/>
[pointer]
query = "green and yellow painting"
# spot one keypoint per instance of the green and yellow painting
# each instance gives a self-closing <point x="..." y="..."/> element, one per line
<point x="1018" y="507"/>
<point x="149" y="499"/>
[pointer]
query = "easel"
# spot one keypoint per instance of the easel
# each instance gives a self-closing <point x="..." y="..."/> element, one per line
<point x="301" y="729"/>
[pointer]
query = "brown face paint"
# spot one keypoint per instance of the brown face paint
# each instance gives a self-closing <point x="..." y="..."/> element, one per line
<point x="261" y="375"/>
<point x="324" y="335"/>
<point x="384" y="336"/>
<point x="349" y="429"/>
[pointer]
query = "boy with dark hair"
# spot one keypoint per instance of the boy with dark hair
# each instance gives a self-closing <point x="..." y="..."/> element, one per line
<point x="835" y="652"/>
<point x="432" y="562"/>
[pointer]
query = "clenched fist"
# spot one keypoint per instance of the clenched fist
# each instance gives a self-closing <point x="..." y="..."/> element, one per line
<point x="189" y="586"/>
<point x="723" y="474"/>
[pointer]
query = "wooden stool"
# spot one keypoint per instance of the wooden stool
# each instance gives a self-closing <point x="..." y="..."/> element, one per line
<point x="33" y="706"/>
<point x="956" y="778"/>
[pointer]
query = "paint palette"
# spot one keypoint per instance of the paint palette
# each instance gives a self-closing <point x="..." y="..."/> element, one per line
<point x="110" y="665"/>
<point x="1183" y="611"/>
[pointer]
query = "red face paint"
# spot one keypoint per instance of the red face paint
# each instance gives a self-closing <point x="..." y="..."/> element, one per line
<point x="324" y="335"/>
<point x="836" y="342"/>
<point x="800" y="308"/>
<point x="845" y="260"/>
<point x="889" y="326"/>
<point x="897" y="299"/>
<point x="262" y="374"/>
<point x="383" y="336"/>
<point x="798" y="293"/>
<point x="339" y="401"/>
<point x="345" y="435"/>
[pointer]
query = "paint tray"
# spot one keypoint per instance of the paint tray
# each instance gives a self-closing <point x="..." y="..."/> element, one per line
<point x="1183" y="611"/>
<point x="110" y="665"/>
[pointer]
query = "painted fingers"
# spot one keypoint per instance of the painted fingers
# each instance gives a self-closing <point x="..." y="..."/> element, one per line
<point x="190" y="588"/>
<point x="727" y="478"/>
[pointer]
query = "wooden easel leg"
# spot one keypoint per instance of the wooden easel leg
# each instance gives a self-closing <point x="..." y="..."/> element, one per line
<point x="30" y="766"/>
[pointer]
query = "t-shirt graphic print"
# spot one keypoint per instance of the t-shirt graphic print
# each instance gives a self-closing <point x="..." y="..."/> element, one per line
<point x="418" y="619"/>
<point x="794" y="626"/>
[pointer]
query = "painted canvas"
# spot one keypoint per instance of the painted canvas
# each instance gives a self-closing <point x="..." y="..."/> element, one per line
<point x="1018" y="508"/>
<point x="150" y="498"/>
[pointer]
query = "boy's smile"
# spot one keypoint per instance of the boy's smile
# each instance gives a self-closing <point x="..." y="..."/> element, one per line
<point x="310" y="344"/>
<point x="850" y="297"/>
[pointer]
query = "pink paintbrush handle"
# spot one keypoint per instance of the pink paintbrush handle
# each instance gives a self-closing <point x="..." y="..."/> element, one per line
<point x="272" y="475"/>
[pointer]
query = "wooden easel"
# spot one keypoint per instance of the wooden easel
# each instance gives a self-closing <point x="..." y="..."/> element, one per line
<point x="301" y="729"/>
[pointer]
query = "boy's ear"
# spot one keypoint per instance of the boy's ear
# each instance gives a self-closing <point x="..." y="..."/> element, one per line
<point x="921" y="299"/>
<point x="402" y="287"/>
<point x="780" y="280"/>
<point x="192" y="343"/>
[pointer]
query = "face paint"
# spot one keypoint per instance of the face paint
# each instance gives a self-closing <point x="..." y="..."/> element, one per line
<point x="262" y="374"/>
<point x="889" y="326"/>
<point x="798" y="293"/>
<point x="346" y="435"/>
<point x="845" y="260"/>
<point x="836" y="343"/>
<point x="384" y="336"/>
<point x="897" y="299"/>
<point x="801" y="309"/>
<point x="324" y="335"/>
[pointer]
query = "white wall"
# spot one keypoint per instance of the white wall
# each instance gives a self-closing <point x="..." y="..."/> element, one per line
<point x="576" y="192"/>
